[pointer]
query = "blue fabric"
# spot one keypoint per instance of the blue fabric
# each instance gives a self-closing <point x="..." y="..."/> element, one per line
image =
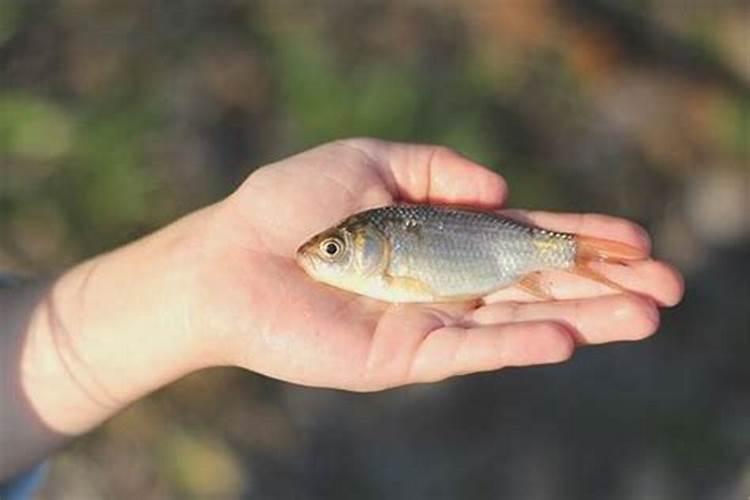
<point x="22" y="487"/>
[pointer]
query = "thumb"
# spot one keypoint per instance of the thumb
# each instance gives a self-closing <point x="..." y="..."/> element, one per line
<point x="435" y="174"/>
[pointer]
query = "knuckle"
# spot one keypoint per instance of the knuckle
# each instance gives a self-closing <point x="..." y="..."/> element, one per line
<point x="438" y="150"/>
<point x="357" y="142"/>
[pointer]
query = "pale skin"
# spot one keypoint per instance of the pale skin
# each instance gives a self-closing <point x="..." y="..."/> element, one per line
<point x="221" y="287"/>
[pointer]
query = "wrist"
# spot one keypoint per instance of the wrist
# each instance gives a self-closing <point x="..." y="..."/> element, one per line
<point x="112" y="329"/>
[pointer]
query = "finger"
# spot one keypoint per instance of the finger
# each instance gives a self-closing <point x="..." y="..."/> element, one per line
<point x="435" y="174"/>
<point x="599" y="225"/>
<point x="651" y="278"/>
<point x="454" y="350"/>
<point x="593" y="321"/>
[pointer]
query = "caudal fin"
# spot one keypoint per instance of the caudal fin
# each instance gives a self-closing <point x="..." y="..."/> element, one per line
<point x="590" y="249"/>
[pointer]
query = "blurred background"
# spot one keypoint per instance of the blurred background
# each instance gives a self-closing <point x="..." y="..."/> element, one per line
<point x="118" y="117"/>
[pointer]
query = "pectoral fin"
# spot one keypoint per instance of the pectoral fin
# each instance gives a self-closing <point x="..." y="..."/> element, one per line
<point x="407" y="289"/>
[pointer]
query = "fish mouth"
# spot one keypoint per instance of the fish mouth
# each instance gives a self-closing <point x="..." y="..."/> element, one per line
<point x="305" y="260"/>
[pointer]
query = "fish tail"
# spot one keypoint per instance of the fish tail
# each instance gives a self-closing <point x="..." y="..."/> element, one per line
<point x="590" y="249"/>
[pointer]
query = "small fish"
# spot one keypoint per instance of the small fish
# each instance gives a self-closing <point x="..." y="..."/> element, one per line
<point x="427" y="253"/>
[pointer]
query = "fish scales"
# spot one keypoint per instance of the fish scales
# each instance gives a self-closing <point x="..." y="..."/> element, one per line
<point x="461" y="253"/>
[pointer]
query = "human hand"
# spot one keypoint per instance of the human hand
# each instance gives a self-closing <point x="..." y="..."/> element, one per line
<point x="254" y="307"/>
<point x="221" y="287"/>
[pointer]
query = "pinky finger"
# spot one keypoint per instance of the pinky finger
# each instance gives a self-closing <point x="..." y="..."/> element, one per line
<point x="451" y="351"/>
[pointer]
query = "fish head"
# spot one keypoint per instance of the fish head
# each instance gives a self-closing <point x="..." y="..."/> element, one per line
<point x="347" y="256"/>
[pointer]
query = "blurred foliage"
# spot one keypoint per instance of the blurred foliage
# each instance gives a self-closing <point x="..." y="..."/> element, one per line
<point x="117" y="117"/>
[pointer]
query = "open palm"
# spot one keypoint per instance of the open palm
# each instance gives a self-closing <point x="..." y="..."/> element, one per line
<point x="261" y="311"/>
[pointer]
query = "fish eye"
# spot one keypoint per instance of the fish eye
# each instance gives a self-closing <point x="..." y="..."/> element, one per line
<point x="331" y="247"/>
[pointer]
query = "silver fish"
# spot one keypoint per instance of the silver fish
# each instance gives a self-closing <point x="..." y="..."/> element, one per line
<point x="427" y="253"/>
